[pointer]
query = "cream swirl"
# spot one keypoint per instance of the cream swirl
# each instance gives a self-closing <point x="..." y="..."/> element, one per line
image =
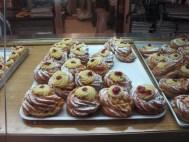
<point x="60" y="79"/>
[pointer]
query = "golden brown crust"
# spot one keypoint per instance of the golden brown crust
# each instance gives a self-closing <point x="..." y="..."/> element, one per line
<point x="42" y="106"/>
<point x="81" y="107"/>
<point x="116" y="104"/>
<point x="45" y="70"/>
<point x="180" y="105"/>
<point x="174" y="87"/>
<point x="148" y="102"/>
<point x="117" y="78"/>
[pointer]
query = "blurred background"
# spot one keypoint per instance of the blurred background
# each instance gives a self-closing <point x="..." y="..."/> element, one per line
<point x="56" y="17"/>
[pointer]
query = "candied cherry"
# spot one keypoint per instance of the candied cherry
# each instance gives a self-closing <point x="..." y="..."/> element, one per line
<point x="116" y="90"/>
<point x="141" y="89"/>
<point x="90" y="73"/>
<point x="118" y="73"/>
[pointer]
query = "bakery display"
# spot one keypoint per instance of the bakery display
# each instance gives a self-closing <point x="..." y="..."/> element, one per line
<point x="89" y="80"/>
<point x="117" y="78"/>
<point x="88" y="77"/>
<point x="42" y="101"/>
<point x="62" y="82"/>
<point x="98" y="65"/>
<point x="45" y="70"/>
<point x="180" y="105"/>
<point x="116" y="102"/>
<point x="83" y="101"/>
<point x="80" y="51"/>
<point x="174" y="87"/>
<point x="149" y="49"/>
<point x="148" y="100"/>
<point x="73" y="65"/>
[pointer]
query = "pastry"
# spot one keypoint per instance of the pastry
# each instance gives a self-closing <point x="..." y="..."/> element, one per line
<point x="98" y="65"/>
<point x="185" y="51"/>
<point x="56" y="55"/>
<point x="9" y="62"/>
<point x="180" y="105"/>
<point x="166" y="49"/>
<point x="14" y="55"/>
<point x="3" y="69"/>
<point x="179" y="42"/>
<point x="174" y="87"/>
<point x="45" y="70"/>
<point x="181" y="72"/>
<point x="83" y="101"/>
<point x="149" y="49"/>
<point x="65" y="44"/>
<point x="80" y="51"/>
<point x="110" y="44"/>
<point x="42" y="101"/>
<point x="175" y="57"/>
<point x="1" y="59"/>
<point x="148" y="101"/>
<point x="116" y="102"/>
<point x="73" y="65"/>
<point x="155" y="58"/>
<point x="163" y="68"/>
<point x="117" y="78"/>
<point x="90" y="78"/>
<point x="62" y="82"/>
<point x="123" y="51"/>
<point x="107" y="55"/>
<point x="18" y="49"/>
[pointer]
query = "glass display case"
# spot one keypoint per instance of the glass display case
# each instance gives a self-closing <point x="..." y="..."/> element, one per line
<point x="79" y="71"/>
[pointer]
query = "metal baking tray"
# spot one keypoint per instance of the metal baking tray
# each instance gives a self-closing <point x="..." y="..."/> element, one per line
<point x="16" y="64"/>
<point x="136" y="73"/>
<point x="140" y="44"/>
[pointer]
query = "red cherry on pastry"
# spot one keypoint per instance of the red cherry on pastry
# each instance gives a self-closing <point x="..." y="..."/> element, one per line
<point x="90" y="73"/>
<point x="118" y="73"/>
<point x="116" y="90"/>
<point x="141" y="89"/>
<point x="1" y="66"/>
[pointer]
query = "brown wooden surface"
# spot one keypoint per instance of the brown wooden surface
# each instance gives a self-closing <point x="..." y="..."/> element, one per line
<point x="21" y="82"/>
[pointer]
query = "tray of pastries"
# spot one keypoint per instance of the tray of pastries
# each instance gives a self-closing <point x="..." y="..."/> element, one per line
<point x="10" y="59"/>
<point x="107" y="81"/>
<point x="169" y="64"/>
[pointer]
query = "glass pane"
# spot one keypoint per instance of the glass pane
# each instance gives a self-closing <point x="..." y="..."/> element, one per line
<point x="2" y="71"/>
<point x="36" y="27"/>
